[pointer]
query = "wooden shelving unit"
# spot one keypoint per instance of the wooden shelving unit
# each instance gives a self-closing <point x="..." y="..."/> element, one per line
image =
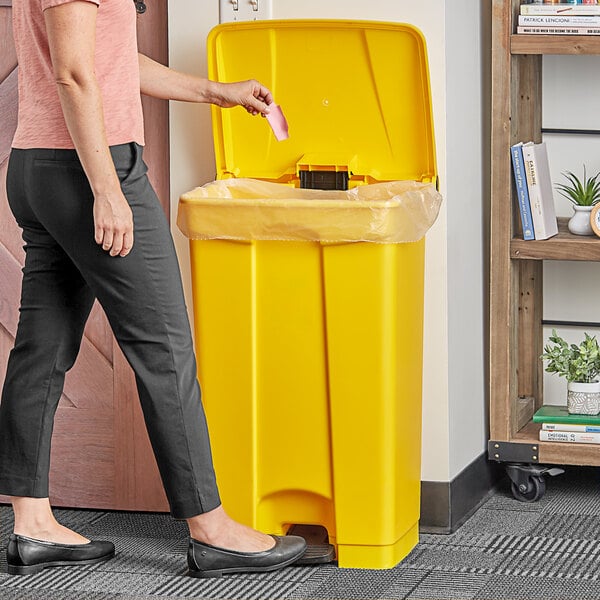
<point x="516" y="298"/>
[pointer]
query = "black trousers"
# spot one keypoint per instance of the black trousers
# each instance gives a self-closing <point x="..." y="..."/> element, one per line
<point x="142" y="297"/>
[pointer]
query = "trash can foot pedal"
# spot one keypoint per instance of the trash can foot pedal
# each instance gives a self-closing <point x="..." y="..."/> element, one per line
<point x="317" y="554"/>
<point x="318" y="549"/>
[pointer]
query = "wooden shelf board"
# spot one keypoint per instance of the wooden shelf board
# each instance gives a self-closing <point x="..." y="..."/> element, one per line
<point x="564" y="246"/>
<point x="554" y="44"/>
<point x="559" y="453"/>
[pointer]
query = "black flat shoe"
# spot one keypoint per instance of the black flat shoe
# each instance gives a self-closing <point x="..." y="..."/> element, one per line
<point x="26" y="556"/>
<point x="209" y="561"/>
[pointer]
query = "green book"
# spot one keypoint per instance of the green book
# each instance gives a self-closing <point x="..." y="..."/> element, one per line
<point x="559" y="414"/>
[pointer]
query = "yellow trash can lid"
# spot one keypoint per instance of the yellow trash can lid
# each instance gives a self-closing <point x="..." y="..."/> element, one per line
<point x="355" y="93"/>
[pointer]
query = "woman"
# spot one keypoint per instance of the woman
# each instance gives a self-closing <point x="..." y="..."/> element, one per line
<point x="93" y="228"/>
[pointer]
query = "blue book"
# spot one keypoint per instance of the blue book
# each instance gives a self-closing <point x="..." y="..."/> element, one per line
<point x="516" y="153"/>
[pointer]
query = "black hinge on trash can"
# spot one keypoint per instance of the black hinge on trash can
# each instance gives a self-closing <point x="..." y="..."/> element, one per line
<point x="324" y="180"/>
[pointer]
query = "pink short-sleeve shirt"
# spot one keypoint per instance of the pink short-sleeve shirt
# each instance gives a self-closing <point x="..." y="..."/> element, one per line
<point x="41" y="123"/>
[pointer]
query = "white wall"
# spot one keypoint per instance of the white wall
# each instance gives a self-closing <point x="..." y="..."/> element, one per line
<point x="192" y="159"/>
<point x="468" y="185"/>
<point x="453" y="429"/>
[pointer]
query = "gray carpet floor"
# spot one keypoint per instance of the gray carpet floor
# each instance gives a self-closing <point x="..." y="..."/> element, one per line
<point x="507" y="550"/>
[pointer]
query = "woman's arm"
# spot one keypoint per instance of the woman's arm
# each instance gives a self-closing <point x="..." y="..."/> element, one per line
<point x="161" y="82"/>
<point x="71" y="29"/>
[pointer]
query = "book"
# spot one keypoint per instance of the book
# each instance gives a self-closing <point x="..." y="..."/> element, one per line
<point x="559" y="30"/>
<point x="566" y="436"/>
<point x="558" y="21"/>
<point x="550" y="413"/>
<point x="516" y="153"/>
<point x="575" y="427"/>
<point x="560" y="9"/>
<point x="539" y="186"/>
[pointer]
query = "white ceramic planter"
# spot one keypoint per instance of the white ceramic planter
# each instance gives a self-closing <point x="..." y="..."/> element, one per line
<point x="583" y="398"/>
<point x="579" y="223"/>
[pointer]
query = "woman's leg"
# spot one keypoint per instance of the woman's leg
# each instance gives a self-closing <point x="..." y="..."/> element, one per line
<point x="34" y="519"/>
<point x="55" y="304"/>
<point x="218" y="529"/>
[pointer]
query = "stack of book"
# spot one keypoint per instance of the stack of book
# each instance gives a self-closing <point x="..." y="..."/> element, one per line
<point x="558" y="425"/>
<point x="534" y="190"/>
<point x="564" y="18"/>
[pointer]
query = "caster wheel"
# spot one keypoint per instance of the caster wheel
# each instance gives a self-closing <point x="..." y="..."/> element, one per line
<point x="532" y="492"/>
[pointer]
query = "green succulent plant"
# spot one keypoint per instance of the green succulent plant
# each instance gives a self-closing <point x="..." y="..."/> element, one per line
<point x="575" y="363"/>
<point x="581" y="193"/>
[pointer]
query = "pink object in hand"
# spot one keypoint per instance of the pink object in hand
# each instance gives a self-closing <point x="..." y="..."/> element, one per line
<point x="278" y="122"/>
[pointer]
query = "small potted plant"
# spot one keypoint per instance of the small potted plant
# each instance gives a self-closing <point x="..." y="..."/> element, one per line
<point x="583" y="195"/>
<point x="580" y="366"/>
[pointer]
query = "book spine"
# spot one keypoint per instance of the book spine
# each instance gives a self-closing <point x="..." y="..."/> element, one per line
<point x="560" y="9"/>
<point x="573" y="437"/>
<point x="539" y="186"/>
<point x="559" y="30"/>
<point x="522" y="192"/>
<point x="558" y="21"/>
<point x="571" y="427"/>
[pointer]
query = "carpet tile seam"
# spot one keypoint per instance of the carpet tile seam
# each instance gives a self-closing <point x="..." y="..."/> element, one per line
<point x="221" y="585"/>
<point x="489" y="552"/>
<point x="480" y="585"/>
<point x="417" y="585"/>
<point x="449" y="569"/>
<point x="503" y="571"/>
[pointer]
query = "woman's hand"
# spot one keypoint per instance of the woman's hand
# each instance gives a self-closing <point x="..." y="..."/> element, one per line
<point x="113" y="224"/>
<point x="251" y="94"/>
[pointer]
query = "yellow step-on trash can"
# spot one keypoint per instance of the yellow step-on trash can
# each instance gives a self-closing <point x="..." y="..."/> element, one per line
<point x="308" y="304"/>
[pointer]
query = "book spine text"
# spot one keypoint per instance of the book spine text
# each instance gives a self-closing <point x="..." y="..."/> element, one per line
<point x="558" y="21"/>
<point x="571" y="427"/>
<point x="572" y="437"/>
<point x="522" y="192"/>
<point x="559" y="30"/>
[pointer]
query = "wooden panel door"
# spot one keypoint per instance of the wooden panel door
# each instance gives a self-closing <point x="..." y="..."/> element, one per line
<point x="101" y="456"/>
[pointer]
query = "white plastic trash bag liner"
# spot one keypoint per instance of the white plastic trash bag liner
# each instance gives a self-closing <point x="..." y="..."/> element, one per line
<point x="250" y="209"/>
